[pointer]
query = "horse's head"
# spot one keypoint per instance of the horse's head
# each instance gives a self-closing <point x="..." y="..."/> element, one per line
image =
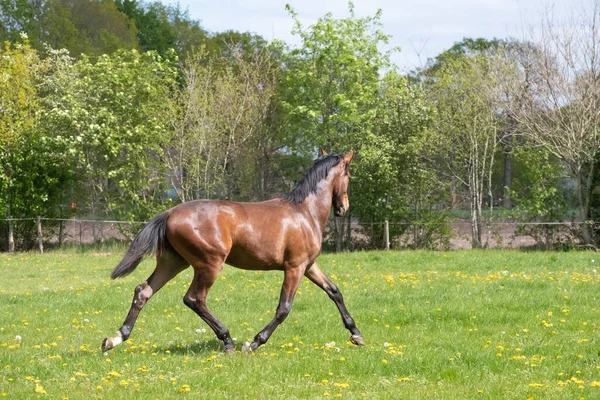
<point x="341" y="180"/>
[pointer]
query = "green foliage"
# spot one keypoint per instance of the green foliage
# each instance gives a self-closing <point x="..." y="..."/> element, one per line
<point x="32" y="173"/>
<point x="111" y="129"/>
<point x="109" y="117"/>
<point x="163" y="27"/>
<point x="465" y="133"/>
<point x="220" y="128"/>
<point x="330" y="85"/>
<point x="332" y="95"/>
<point x="393" y="180"/>
<point x="81" y="26"/>
<point x="537" y="194"/>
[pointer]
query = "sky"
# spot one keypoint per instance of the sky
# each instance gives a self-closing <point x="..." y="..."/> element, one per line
<point x="421" y="28"/>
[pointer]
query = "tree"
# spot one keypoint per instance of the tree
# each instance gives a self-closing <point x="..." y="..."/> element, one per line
<point x="19" y="72"/>
<point x="330" y="84"/>
<point x="395" y="182"/>
<point x="220" y="124"/>
<point x="81" y="26"/>
<point x="538" y="196"/>
<point x="110" y="115"/>
<point x="465" y="132"/>
<point x="557" y="82"/>
<point x="33" y="176"/>
<point x="162" y="27"/>
<point x="329" y="87"/>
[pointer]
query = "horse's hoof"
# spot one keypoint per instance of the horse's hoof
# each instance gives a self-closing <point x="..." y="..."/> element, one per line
<point x="229" y="349"/>
<point x="106" y="345"/>
<point x="247" y="346"/>
<point x="357" y="340"/>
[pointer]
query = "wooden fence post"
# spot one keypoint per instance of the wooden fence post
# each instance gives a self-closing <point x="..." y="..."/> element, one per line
<point x="40" y="236"/>
<point x="386" y="234"/>
<point x="60" y="233"/>
<point x="11" y="234"/>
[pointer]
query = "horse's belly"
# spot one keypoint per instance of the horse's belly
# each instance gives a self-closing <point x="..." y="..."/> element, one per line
<point x="254" y="259"/>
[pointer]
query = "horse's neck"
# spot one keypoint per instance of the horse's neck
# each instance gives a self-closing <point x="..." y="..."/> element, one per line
<point x="319" y="204"/>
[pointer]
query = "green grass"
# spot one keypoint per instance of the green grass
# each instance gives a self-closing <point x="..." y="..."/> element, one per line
<point x="457" y="325"/>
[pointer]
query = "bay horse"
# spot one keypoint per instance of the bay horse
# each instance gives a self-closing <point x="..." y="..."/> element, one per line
<point x="283" y="234"/>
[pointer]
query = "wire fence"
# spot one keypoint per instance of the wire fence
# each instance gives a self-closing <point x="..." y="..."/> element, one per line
<point x="43" y="233"/>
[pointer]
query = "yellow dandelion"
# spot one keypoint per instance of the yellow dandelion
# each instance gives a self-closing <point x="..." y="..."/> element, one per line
<point x="143" y="368"/>
<point x="114" y="374"/>
<point x="404" y="379"/>
<point x="184" y="388"/>
<point x="342" y="385"/>
<point x="40" y="389"/>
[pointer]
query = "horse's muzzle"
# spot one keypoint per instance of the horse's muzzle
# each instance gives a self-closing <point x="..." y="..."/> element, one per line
<point x="339" y="211"/>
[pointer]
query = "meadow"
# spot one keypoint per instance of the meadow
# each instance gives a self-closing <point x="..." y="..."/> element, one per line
<point x="458" y="325"/>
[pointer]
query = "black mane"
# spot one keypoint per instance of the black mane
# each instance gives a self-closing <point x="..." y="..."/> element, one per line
<point x="310" y="180"/>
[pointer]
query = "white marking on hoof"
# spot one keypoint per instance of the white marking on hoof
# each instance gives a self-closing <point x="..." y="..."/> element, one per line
<point x="247" y="346"/>
<point x="111" y="343"/>
<point x="357" y="340"/>
<point x="229" y="350"/>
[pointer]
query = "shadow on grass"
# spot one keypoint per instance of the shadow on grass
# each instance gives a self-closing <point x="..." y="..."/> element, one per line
<point x="197" y="348"/>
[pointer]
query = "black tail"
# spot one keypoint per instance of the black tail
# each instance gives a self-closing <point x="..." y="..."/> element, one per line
<point x="150" y="240"/>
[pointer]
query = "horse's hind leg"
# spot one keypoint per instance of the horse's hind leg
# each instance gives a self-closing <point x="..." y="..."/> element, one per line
<point x="168" y="265"/>
<point x="195" y="298"/>
<point x="318" y="277"/>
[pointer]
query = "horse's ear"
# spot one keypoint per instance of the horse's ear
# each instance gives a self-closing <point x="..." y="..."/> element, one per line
<point x="322" y="151"/>
<point x="348" y="157"/>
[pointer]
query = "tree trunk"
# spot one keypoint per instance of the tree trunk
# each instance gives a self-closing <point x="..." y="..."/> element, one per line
<point x="475" y="220"/>
<point x="584" y="193"/>
<point x="507" y="172"/>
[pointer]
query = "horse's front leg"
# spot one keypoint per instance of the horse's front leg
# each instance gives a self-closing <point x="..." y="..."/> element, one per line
<point x="291" y="281"/>
<point x="316" y="275"/>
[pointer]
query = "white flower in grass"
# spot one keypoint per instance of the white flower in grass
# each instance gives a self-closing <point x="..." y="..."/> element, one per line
<point x="18" y="338"/>
<point x="386" y="344"/>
